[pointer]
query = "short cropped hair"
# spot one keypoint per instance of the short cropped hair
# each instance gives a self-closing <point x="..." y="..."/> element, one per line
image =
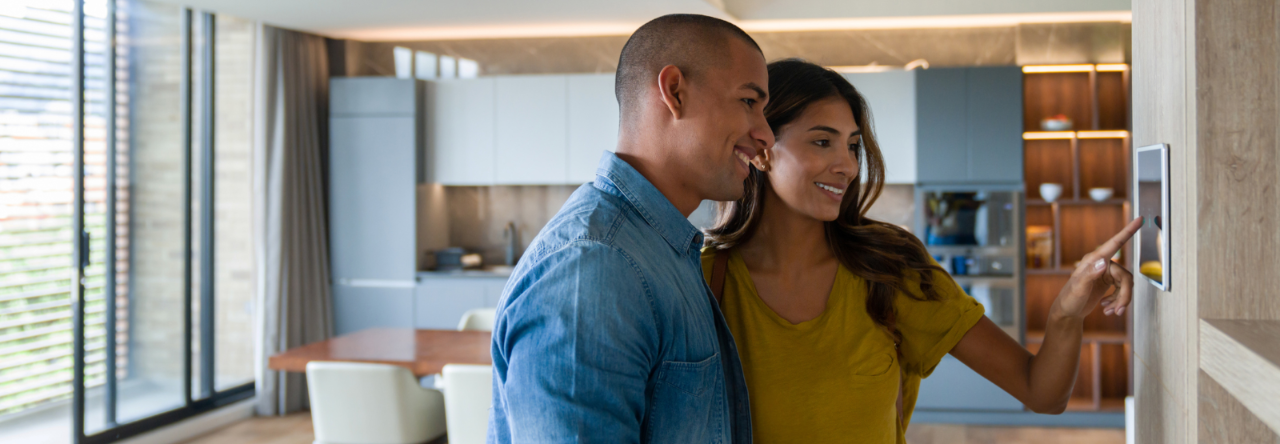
<point x="691" y="42"/>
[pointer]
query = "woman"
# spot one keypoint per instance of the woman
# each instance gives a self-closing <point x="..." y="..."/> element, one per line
<point x="837" y="317"/>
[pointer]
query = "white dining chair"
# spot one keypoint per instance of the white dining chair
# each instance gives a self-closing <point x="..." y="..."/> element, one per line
<point x="358" y="403"/>
<point x="480" y="319"/>
<point x="468" y="394"/>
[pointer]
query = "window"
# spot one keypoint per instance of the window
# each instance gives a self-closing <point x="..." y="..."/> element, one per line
<point x="167" y="317"/>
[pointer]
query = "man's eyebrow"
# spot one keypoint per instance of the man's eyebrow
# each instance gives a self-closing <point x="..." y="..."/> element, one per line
<point x="759" y="91"/>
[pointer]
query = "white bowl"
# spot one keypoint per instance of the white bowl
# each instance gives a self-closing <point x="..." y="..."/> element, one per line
<point x="1050" y="191"/>
<point x="1101" y="194"/>
<point x="1055" y="125"/>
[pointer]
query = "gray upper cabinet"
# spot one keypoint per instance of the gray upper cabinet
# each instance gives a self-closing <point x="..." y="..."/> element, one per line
<point x="994" y="111"/>
<point x="969" y="125"/>
<point x="374" y="161"/>
<point x="373" y="95"/>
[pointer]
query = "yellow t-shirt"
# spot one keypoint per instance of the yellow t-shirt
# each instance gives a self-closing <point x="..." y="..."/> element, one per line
<point x="835" y="378"/>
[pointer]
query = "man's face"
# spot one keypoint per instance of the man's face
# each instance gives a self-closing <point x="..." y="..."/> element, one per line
<point x="724" y="122"/>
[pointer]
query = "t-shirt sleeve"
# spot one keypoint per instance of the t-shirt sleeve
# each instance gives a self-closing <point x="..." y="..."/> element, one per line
<point x="930" y="329"/>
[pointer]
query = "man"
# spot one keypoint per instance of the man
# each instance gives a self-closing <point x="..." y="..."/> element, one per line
<point x="606" y="331"/>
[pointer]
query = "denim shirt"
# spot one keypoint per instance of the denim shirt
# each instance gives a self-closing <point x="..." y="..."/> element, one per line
<point x="606" y="331"/>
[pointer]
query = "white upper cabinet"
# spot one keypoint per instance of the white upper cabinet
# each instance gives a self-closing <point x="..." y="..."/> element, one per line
<point x="532" y="142"/>
<point x="593" y="123"/>
<point x="462" y="116"/>
<point x="891" y="96"/>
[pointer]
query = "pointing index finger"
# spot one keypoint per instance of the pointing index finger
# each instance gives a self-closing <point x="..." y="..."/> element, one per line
<point x="1111" y="246"/>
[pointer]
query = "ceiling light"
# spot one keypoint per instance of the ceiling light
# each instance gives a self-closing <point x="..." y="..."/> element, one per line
<point x="626" y="28"/>
<point x="851" y="69"/>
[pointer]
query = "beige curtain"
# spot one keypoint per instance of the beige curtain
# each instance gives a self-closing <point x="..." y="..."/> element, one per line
<point x="291" y="234"/>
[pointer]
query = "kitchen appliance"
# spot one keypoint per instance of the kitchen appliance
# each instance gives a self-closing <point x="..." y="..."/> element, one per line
<point x="975" y="233"/>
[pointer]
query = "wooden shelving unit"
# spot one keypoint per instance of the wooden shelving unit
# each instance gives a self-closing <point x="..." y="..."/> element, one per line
<point x="1094" y="153"/>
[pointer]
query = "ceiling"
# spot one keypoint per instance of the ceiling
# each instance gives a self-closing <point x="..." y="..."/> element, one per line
<point x="436" y="19"/>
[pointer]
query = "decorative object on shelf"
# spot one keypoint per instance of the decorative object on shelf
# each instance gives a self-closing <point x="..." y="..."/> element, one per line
<point x="1039" y="246"/>
<point x="1050" y="191"/>
<point x="1059" y="122"/>
<point x="1100" y="194"/>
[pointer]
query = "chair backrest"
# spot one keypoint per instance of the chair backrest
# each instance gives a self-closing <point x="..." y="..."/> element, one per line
<point x="468" y="396"/>
<point x="371" y="403"/>
<point x="480" y="319"/>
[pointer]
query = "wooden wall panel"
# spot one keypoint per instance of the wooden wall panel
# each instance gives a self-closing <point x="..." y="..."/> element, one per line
<point x="1239" y="227"/>
<point x="1165" y="324"/>
<point x="1223" y="420"/>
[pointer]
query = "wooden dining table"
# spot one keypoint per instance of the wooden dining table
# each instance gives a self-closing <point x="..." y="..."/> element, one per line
<point x="423" y="352"/>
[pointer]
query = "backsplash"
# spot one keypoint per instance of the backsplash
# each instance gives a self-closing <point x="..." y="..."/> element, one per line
<point x="478" y="216"/>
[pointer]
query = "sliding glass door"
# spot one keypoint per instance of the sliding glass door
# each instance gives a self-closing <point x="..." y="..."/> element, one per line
<point x="126" y="263"/>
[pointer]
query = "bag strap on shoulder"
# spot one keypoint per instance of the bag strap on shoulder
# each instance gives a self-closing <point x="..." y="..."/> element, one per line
<point x="718" y="269"/>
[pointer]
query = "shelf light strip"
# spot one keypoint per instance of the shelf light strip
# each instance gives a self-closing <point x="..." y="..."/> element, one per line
<point x="1102" y="67"/>
<point x="1044" y="135"/>
<point x="1102" y="134"/>
<point x="1049" y="135"/>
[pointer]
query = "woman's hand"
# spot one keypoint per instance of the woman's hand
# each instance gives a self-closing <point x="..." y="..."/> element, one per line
<point x="1094" y="277"/>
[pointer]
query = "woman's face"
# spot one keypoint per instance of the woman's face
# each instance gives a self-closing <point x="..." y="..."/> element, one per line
<point x="815" y="159"/>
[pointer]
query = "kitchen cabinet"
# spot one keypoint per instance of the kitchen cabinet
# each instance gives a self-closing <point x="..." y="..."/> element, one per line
<point x="969" y="125"/>
<point x="593" y="124"/>
<point x="531" y="137"/>
<point x="463" y="142"/>
<point x="954" y="386"/>
<point x="372" y="196"/>
<point x="360" y="308"/>
<point x="440" y="301"/>
<point x="891" y="96"/>
<point x="375" y="165"/>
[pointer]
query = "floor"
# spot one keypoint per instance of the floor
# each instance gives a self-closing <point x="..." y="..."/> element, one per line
<point x="51" y="423"/>
<point x="296" y="429"/>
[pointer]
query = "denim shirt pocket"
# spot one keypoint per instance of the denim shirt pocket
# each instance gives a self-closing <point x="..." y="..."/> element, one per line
<point x="687" y="404"/>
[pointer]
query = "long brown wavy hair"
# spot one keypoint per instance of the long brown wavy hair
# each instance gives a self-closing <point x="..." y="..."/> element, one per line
<point x="882" y="254"/>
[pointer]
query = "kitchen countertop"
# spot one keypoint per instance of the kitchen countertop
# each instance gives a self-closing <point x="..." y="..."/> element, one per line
<point x="486" y="272"/>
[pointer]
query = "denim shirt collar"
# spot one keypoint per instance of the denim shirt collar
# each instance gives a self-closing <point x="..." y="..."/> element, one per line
<point x="617" y="177"/>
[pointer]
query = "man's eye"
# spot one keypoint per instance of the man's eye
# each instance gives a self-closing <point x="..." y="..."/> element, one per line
<point x="822" y="143"/>
<point x="749" y="102"/>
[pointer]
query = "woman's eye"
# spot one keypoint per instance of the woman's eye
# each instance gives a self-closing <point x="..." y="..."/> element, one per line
<point x="749" y="102"/>
<point x="822" y="143"/>
<point x="855" y="146"/>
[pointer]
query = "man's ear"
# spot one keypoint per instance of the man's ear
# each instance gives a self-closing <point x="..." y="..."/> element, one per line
<point x="673" y="87"/>
<point x="763" y="160"/>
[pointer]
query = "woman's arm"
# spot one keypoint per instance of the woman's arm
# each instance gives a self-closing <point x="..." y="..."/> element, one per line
<point x="1043" y="381"/>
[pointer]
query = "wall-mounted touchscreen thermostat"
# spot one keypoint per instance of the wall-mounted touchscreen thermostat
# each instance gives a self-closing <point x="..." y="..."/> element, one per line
<point x="1151" y="199"/>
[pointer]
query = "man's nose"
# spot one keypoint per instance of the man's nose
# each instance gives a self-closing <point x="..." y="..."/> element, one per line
<point x="761" y="133"/>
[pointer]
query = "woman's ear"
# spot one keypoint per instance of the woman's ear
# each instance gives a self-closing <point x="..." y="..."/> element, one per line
<point x="763" y="159"/>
